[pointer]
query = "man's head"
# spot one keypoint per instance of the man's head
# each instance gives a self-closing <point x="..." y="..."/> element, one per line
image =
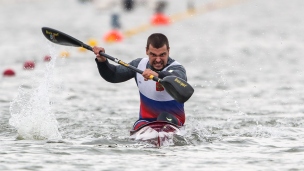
<point x="158" y="50"/>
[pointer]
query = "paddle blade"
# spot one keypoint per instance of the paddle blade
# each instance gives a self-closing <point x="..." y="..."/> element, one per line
<point x="59" y="37"/>
<point x="178" y="88"/>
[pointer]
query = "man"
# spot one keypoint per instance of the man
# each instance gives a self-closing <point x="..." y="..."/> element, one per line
<point x="155" y="102"/>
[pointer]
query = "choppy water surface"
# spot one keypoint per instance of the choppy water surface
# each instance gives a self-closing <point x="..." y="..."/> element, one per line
<point x="244" y="61"/>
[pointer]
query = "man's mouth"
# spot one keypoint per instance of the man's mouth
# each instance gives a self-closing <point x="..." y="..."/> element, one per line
<point x="158" y="64"/>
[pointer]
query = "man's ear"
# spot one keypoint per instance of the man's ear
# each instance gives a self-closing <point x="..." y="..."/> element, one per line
<point x="146" y="51"/>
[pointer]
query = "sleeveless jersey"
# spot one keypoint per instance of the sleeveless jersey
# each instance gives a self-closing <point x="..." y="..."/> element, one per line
<point x="154" y="99"/>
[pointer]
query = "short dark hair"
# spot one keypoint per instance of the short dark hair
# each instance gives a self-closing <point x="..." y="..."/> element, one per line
<point x="157" y="40"/>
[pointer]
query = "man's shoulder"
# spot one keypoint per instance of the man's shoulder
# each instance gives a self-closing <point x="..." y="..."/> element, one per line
<point x="135" y="62"/>
<point x="173" y="62"/>
<point x="170" y="60"/>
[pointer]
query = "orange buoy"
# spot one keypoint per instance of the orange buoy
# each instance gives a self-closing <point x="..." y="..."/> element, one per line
<point x="29" y="65"/>
<point x="113" y="36"/>
<point x="160" y="19"/>
<point x="9" y="73"/>
<point x="47" y="58"/>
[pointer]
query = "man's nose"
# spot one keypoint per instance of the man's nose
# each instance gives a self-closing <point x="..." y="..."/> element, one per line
<point x="157" y="59"/>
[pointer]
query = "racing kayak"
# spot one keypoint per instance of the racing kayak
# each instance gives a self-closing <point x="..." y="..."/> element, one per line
<point x="158" y="132"/>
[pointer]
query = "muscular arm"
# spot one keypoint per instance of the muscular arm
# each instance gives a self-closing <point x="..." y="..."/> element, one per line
<point x="116" y="73"/>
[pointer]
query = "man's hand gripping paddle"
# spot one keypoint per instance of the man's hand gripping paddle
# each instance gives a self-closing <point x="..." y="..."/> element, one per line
<point x="178" y="88"/>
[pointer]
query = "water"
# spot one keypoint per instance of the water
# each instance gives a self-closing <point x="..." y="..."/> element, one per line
<point x="244" y="61"/>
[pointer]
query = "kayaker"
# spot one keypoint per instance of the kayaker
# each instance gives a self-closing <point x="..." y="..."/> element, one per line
<point x="155" y="102"/>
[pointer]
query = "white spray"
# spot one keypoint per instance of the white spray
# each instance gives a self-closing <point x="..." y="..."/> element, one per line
<point x="31" y="112"/>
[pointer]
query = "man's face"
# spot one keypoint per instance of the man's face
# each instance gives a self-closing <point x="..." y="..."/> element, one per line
<point x="158" y="58"/>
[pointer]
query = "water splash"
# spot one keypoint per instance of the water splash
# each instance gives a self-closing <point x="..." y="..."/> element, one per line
<point x="197" y="132"/>
<point x="31" y="112"/>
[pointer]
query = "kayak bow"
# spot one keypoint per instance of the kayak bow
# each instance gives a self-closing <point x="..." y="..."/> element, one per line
<point x="157" y="132"/>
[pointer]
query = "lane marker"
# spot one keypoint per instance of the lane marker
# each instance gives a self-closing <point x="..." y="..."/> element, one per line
<point x="219" y="4"/>
<point x="137" y="30"/>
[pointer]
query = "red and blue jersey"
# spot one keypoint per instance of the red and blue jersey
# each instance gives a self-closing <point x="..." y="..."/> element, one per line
<point x="154" y="99"/>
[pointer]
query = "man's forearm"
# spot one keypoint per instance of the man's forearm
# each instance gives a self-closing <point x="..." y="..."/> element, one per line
<point x="113" y="73"/>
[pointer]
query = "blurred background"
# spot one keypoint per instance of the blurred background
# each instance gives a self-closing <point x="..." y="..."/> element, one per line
<point x="94" y="21"/>
<point x="244" y="59"/>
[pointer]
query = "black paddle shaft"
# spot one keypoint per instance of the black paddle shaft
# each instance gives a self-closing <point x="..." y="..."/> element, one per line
<point x="127" y="65"/>
<point x="178" y="88"/>
<point x="59" y="37"/>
